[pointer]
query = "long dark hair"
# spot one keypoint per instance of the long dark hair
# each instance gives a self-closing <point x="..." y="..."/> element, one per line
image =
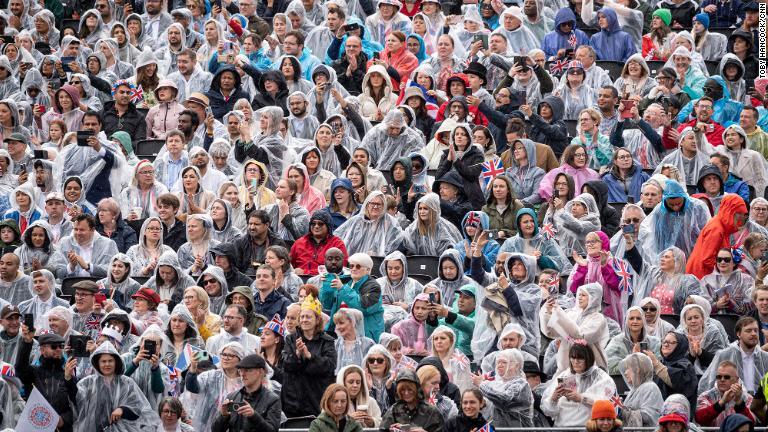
<point x="147" y="82"/>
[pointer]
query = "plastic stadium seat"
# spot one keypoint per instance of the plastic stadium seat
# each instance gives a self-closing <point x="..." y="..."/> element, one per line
<point x="420" y="278"/>
<point x="572" y="127"/>
<point x="377" y="260"/>
<point x="729" y="323"/>
<point x="712" y="67"/>
<point x="621" y="386"/>
<point x="142" y="280"/>
<point x="672" y="319"/>
<point x="655" y="66"/>
<point x="148" y="149"/>
<point x="423" y="264"/>
<point x="612" y="67"/>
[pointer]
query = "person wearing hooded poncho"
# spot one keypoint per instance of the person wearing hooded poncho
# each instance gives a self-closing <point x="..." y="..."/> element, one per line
<point x="390" y="140"/>
<point x="600" y="267"/>
<point x="411" y="407"/>
<point x="69" y="113"/>
<point x="9" y="85"/>
<point x="89" y="98"/>
<point x="38" y="251"/>
<point x="676" y="221"/>
<point x="450" y="276"/>
<point x="373" y="231"/>
<point x="522" y="179"/>
<point x="252" y="186"/>
<point x="511" y="336"/>
<point x="353" y="377"/>
<point x="428" y="234"/>
<point x="570" y="394"/>
<point x="11" y="123"/>
<point x="221" y="215"/>
<point x="144" y="255"/>
<point x="642" y="406"/>
<point x="454" y="362"/>
<point x="531" y="241"/>
<point x="731" y="217"/>
<point x="631" y="340"/>
<point x="703" y="333"/>
<point x="611" y="42"/>
<point x="398" y="291"/>
<point x="474" y="223"/>
<point x="118" y="285"/>
<point x="24" y="209"/>
<point x="351" y="344"/>
<point x="625" y="178"/>
<point x="301" y="123"/>
<point x="557" y="41"/>
<point x="173" y="289"/>
<point x="193" y="255"/>
<point x="745" y="163"/>
<point x="517" y="34"/>
<point x="149" y="372"/>
<point x="109" y="394"/>
<point x="42" y="287"/>
<point x="180" y="331"/>
<point x="584" y="321"/>
<point x="666" y="282"/>
<point x="111" y="51"/>
<point x="509" y="391"/>
<point x="727" y="286"/>
<point x="276" y="154"/>
<point x="574" y="221"/>
<point x="142" y="192"/>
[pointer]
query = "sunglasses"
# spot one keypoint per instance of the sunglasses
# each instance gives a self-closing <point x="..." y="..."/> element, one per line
<point x="320" y="224"/>
<point x="209" y="281"/>
<point x="650" y="309"/>
<point x="724" y="259"/>
<point x="378" y="360"/>
<point x="632" y="220"/>
<point x="723" y="377"/>
<point x="57" y="346"/>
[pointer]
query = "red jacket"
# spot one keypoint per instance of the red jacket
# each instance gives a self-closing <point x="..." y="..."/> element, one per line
<point x="714" y="236"/>
<point x="715" y="137"/>
<point x="306" y="254"/>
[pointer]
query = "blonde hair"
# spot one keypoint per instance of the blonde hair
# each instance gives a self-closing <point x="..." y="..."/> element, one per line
<point x="201" y="295"/>
<point x="330" y="392"/>
<point x="426" y="373"/>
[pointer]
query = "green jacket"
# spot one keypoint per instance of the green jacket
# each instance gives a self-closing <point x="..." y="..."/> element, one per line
<point x="503" y="221"/>
<point x="462" y="325"/>
<point x="325" y="423"/>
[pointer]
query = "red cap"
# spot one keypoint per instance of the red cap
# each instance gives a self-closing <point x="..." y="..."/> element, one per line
<point x="147" y="294"/>
<point x="673" y="417"/>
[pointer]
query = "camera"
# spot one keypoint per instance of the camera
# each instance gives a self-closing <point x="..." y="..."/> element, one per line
<point x="628" y="229"/>
<point x="234" y="406"/>
<point x="150" y="347"/>
<point x="29" y="321"/>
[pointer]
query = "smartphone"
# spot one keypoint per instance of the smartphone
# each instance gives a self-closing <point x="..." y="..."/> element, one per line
<point x="77" y="345"/>
<point x="387" y="299"/>
<point x="351" y="27"/>
<point x="208" y="111"/>
<point x="643" y="346"/>
<point x="202" y="356"/>
<point x="764" y="257"/>
<point x="150" y="347"/>
<point x="710" y="127"/>
<point x="569" y="53"/>
<point x="40" y="154"/>
<point x="491" y="234"/>
<point x="419" y="189"/>
<point x="447" y="8"/>
<point x="518" y="98"/>
<point x="560" y="381"/>
<point x="82" y="137"/>
<point x="322" y="270"/>
<point x="432" y="297"/>
<point x="218" y="3"/>
<point x="628" y="229"/>
<point x="55" y="84"/>
<point x="521" y="61"/>
<point x="483" y="38"/>
<point x="555" y="193"/>
<point x="628" y="105"/>
<point x="29" y="321"/>
<point x="467" y="91"/>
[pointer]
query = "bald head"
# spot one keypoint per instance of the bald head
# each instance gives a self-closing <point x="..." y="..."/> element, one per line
<point x="9" y="266"/>
<point x="334" y="260"/>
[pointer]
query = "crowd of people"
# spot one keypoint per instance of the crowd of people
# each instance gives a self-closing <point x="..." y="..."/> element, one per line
<point x="405" y="215"/>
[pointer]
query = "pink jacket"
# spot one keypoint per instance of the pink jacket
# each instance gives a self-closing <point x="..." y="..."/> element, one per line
<point x="606" y="277"/>
<point x="163" y="117"/>
<point x="580" y="176"/>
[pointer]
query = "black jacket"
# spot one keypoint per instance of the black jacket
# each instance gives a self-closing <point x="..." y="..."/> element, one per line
<point x="554" y="133"/>
<point x="266" y="418"/>
<point x="469" y="167"/>
<point x="354" y="82"/>
<point x="454" y="211"/>
<point x="234" y="277"/>
<point x="132" y="122"/>
<point x="101" y="187"/>
<point x="262" y="98"/>
<point x="610" y="219"/>
<point x="176" y="236"/>
<point x="307" y="379"/>
<point x="124" y="236"/>
<point x="248" y="252"/>
<point x="462" y="423"/>
<point x="48" y="378"/>
<point x="219" y="105"/>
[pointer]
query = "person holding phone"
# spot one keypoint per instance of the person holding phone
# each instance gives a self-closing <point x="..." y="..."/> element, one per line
<point x="634" y="339"/>
<point x="143" y="365"/>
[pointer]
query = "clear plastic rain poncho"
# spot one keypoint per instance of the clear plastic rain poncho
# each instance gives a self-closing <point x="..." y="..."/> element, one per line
<point x="448" y="288"/>
<point x="271" y="142"/>
<point x="622" y="345"/>
<point x="403" y="290"/>
<point x="190" y="249"/>
<point x="618" y="243"/>
<point x="216" y="303"/>
<point x="488" y="364"/>
<point x="34" y="79"/>
<point x="594" y="383"/>
<point x="48" y="255"/>
<point x="143" y="373"/>
<point x="10" y="85"/>
<point x="572" y="231"/>
<point x="689" y="168"/>
<point x="671" y="289"/>
<point x="712" y="338"/>
<point x="352" y="354"/>
<point x="10" y="402"/>
<point x="521" y="38"/>
<point x="455" y="363"/>
<point x="227" y="233"/>
<point x="432" y="237"/>
<point x="121" y="69"/>
<point x="375" y="237"/>
<point x="384" y="149"/>
<point x="548" y="246"/>
<point x="494" y="312"/>
<point x="98" y="396"/>
<point x="509" y="391"/>
<point x="167" y="289"/>
<point x="140" y="255"/>
<point x="38" y="307"/>
<point x="642" y="406"/>
<point x="664" y="228"/>
<point x="568" y="325"/>
<point x="100" y="32"/>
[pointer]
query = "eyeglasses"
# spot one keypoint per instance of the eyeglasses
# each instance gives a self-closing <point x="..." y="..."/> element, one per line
<point x="155" y="229"/>
<point x="759" y="209"/>
<point x="624" y="157"/>
<point x="252" y="170"/>
<point x="355" y="266"/>
<point x="579" y="155"/>
<point x="649" y="309"/>
<point x="574" y="71"/>
<point x="592" y="242"/>
<point x="375" y="205"/>
<point x="632" y="220"/>
<point x="230" y="317"/>
<point x="57" y="346"/>
<point x="82" y="294"/>
<point x="372" y="360"/>
<point x="723" y="377"/>
<point x="669" y="343"/>
<point x="227" y="355"/>
<point x="317" y="223"/>
<point x="188" y="297"/>
<point x="705" y="107"/>
<point x="148" y="172"/>
<point x="724" y="259"/>
<point x="169" y="412"/>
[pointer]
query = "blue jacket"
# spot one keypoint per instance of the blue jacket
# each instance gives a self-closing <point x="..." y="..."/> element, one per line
<point x="737" y="186"/>
<point x="612" y="43"/>
<point x="490" y="250"/>
<point x="219" y="105"/>
<point x="337" y="218"/>
<point x="557" y="40"/>
<point x="629" y="191"/>
<point x="16" y="216"/>
<point x="363" y="295"/>
<point x="274" y="304"/>
<point x="727" y="14"/>
<point x="101" y="188"/>
<point x="726" y="111"/>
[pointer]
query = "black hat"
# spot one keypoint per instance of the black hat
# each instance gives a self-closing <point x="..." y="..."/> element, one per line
<point x="252" y="361"/>
<point x="478" y="69"/>
<point x="751" y="7"/>
<point x="50" y="339"/>
<point x="531" y="367"/>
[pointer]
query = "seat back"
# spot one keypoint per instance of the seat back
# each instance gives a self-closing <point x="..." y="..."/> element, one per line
<point x="729" y="324"/>
<point x="149" y="148"/>
<point x="423" y="264"/>
<point x="612" y="67"/>
<point x="67" y="284"/>
<point x="377" y="260"/>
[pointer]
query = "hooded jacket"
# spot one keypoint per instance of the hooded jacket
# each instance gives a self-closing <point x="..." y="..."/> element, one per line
<point x="746" y="164"/>
<point x="263" y="99"/>
<point x="612" y="43"/>
<point x="609" y="217"/>
<point x="307" y="253"/>
<point x="455" y="210"/>
<point x="715" y="236"/>
<point x="553" y="133"/>
<point x="368" y="106"/>
<point x="219" y="103"/>
<point x="469" y="167"/>
<point x="726" y="110"/>
<point x="557" y="40"/>
<point x="255" y="320"/>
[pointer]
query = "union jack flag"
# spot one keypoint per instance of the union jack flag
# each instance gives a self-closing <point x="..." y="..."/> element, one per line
<point x="93" y="322"/>
<point x="473" y="220"/>
<point x="486" y="428"/>
<point x="549" y="230"/>
<point x="492" y="169"/>
<point x="137" y="94"/>
<point x="616" y="400"/>
<point x="461" y="360"/>
<point x="557" y="67"/>
<point x="625" y="277"/>
<point x="432" y="397"/>
<point x="572" y="40"/>
<point x="7" y="370"/>
<point x="175" y="378"/>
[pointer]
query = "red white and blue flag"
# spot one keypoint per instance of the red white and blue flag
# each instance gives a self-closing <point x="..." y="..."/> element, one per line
<point x="549" y="230"/>
<point x="473" y="220"/>
<point x="492" y="169"/>
<point x="557" y="67"/>
<point x="137" y="94"/>
<point x="486" y="428"/>
<point x="572" y="40"/>
<point x="625" y="277"/>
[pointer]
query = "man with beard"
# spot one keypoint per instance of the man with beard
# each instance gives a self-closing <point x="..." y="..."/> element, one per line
<point x="751" y="362"/>
<point x="208" y="128"/>
<point x="320" y="38"/>
<point x="724" y="110"/>
<point x="156" y="21"/>
<point x="121" y="114"/>
<point x="534" y="20"/>
<point x="189" y="76"/>
<point x="301" y="124"/>
<point x="703" y="120"/>
<point x="170" y="48"/>
<point x="188" y="123"/>
<point x="252" y="246"/>
<point x="210" y="179"/>
<point x="607" y="101"/>
<point x="334" y="264"/>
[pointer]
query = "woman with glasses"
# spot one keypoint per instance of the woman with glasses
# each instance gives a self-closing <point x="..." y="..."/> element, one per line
<point x="728" y="287"/>
<point x="139" y="200"/>
<point x="570" y="394"/>
<point x="172" y="416"/>
<point x="598" y="146"/>
<point x="198" y="304"/>
<point x="111" y="225"/>
<point x="371" y="231"/>
<point x="673" y="371"/>
<point x="758" y="211"/>
<point x="309" y="362"/>
<point x="144" y="256"/>
<point x="378" y="365"/>
<point x="633" y="339"/>
<point x="253" y="186"/>
<point x="574" y="91"/>
<point x="665" y="281"/>
<point x="625" y="178"/>
<point x="574" y="163"/>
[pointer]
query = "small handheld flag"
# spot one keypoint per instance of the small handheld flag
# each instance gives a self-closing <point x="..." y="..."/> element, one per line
<point x="486" y="428"/>
<point x="625" y="277"/>
<point x="137" y="94"/>
<point x="492" y="169"/>
<point x="549" y="230"/>
<point x="572" y="40"/>
<point x="557" y="67"/>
